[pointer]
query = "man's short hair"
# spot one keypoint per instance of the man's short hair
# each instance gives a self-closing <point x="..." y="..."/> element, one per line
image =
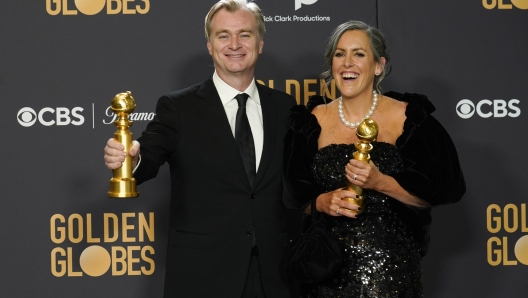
<point x="232" y="6"/>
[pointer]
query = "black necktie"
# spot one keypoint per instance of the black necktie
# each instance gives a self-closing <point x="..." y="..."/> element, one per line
<point x="244" y="138"/>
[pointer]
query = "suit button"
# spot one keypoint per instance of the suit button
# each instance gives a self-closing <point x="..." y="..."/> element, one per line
<point x="249" y="233"/>
<point x="253" y="196"/>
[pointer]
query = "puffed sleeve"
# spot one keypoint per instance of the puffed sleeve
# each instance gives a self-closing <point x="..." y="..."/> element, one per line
<point x="432" y="170"/>
<point x="300" y="146"/>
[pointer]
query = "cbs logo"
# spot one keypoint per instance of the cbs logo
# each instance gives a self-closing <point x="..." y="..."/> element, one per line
<point x="298" y="3"/>
<point x="27" y="116"/>
<point x="491" y="4"/>
<point x="486" y="108"/>
<point x="93" y="7"/>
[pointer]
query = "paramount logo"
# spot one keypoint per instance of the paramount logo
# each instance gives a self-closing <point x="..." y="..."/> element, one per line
<point x="133" y="117"/>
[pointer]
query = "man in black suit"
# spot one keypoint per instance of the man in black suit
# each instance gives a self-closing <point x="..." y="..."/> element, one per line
<point x="227" y="231"/>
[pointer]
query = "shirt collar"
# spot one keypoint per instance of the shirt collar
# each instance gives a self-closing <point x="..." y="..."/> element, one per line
<point x="228" y="93"/>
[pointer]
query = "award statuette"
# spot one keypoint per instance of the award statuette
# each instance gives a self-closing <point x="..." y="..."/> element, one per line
<point x="366" y="132"/>
<point x="122" y="184"/>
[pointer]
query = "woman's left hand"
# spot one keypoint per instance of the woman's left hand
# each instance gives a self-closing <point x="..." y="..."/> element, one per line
<point x="362" y="174"/>
<point x="368" y="176"/>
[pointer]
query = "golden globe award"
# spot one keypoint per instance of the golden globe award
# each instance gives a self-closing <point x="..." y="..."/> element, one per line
<point x="122" y="184"/>
<point x="367" y="132"/>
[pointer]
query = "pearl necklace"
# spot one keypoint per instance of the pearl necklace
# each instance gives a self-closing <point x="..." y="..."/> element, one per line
<point x="370" y="112"/>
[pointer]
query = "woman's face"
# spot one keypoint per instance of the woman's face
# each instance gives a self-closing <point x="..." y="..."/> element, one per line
<point x="353" y="65"/>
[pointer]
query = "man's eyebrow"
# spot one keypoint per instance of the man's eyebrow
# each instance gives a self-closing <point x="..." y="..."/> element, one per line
<point x="221" y="31"/>
<point x="238" y="32"/>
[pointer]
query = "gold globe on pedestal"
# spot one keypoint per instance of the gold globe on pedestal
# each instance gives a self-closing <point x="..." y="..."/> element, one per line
<point x="367" y="132"/>
<point x="122" y="184"/>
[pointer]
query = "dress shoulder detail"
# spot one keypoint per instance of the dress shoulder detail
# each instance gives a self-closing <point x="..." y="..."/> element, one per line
<point x="301" y="119"/>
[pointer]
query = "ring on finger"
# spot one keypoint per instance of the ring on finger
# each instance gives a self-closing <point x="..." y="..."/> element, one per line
<point x="355" y="177"/>
<point x="337" y="211"/>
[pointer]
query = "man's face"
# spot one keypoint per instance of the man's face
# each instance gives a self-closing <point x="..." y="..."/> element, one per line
<point x="234" y="44"/>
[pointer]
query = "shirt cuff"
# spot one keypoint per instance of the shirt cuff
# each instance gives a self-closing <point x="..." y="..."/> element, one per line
<point x="139" y="161"/>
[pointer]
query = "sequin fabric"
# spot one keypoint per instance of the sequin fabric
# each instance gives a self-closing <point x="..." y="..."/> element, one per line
<point x="383" y="259"/>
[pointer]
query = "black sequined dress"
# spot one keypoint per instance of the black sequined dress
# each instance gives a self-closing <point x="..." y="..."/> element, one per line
<point x="383" y="258"/>
<point x="385" y="244"/>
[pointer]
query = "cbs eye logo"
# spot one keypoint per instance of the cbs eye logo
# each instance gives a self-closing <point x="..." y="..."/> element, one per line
<point x="499" y="4"/>
<point x="485" y="108"/>
<point x="93" y="7"/>
<point x="27" y="117"/>
<point x="63" y="116"/>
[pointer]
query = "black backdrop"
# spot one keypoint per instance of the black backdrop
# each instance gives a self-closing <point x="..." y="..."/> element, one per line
<point x="59" y="69"/>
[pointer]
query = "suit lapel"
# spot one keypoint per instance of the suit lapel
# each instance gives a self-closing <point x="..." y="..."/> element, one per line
<point x="269" y="115"/>
<point x="222" y="138"/>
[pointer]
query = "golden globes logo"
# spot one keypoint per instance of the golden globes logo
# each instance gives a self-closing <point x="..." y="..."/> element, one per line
<point x="79" y="250"/>
<point x="302" y="90"/>
<point x="93" y="7"/>
<point x="499" y="4"/>
<point x="506" y="247"/>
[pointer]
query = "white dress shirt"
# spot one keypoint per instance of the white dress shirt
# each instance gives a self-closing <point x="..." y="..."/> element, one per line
<point x="253" y="110"/>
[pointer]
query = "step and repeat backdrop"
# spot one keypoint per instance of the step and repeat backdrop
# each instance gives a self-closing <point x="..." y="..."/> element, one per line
<point x="62" y="62"/>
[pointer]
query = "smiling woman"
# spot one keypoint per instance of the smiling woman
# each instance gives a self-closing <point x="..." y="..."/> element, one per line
<point x="414" y="166"/>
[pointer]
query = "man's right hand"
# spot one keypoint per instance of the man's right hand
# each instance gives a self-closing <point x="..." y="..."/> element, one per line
<point x="115" y="155"/>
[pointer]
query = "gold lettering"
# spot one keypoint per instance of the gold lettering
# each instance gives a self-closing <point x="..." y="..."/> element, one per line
<point x="127" y="10"/>
<point x="524" y="227"/>
<point x="60" y="263"/>
<point x="514" y="220"/>
<point x="488" y="5"/>
<point x="297" y="91"/>
<point x="126" y="227"/>
<point x="145" y="9"/>
<point x="328" y="93"/>
<point x="504" y="6"/>
<point x="110" y="9"/>
<point x="493" y="219"/>
<point x="118" y="260"/>
<point x="65" y="10"/>
<point x="494" y="252"/>
<point x="307" y="92"/>
<point x="148" y="260"/>
<point x="70" y="264"/>
<point x="60" y="230"/>
<point x="50" y="9"/>
<point x="89" y="237"/>
<point x="506" y="262"/>
<point x="132" y="260"/>
<point x="144" y="227"/>
<point x="115" y="228"/>
<point x="71" y="229"/>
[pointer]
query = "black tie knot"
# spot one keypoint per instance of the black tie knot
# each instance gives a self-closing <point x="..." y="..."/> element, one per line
<point x="242" y="99"/>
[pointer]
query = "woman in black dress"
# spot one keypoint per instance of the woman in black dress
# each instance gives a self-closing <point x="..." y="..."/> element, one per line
<point x="414" y="166"/>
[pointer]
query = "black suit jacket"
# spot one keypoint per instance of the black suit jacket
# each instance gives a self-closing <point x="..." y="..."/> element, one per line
<point x="213" y="209"/>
